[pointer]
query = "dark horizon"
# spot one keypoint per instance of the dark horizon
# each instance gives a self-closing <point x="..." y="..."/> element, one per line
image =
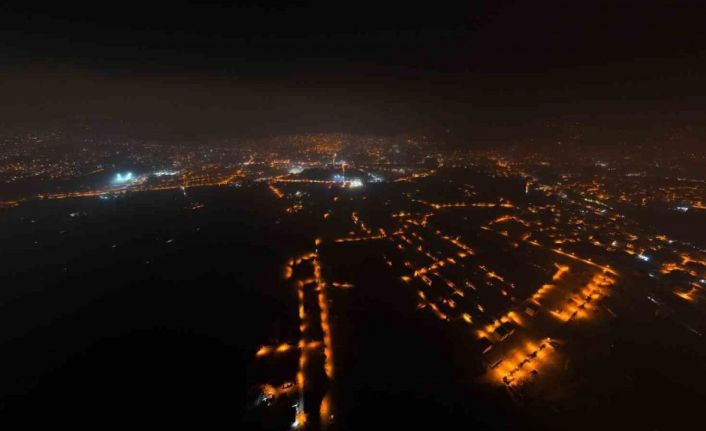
<point x="494" y="69"/>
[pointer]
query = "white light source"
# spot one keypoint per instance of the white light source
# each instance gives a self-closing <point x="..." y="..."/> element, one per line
<point x="165" y="173"/>
<point x="375" y="178"/>
<point x="354" y="183"/>
<point x="121" y="179"/>
<point x="643" y="257"/>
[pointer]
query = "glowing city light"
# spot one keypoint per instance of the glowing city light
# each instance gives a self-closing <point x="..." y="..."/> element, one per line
<point x="374" y="178"/>
<point x="355" y="183"/>
<point x="164" y="173"/>
<point x="123" y="178"/>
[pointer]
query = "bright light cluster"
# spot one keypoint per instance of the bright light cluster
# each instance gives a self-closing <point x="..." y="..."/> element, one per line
<point x="123" y="178"/>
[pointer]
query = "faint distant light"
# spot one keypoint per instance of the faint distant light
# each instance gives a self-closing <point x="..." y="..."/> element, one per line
<point x="375" y="178"/>
<point x="122" y="179"/>
<point x="682" y="209"/>
<point x="338" y="178"/>
<point x="356" y="182"/>
<point x="602" y="164"/>
<point x="643" y="257"/>
<point x="296" y="170"/>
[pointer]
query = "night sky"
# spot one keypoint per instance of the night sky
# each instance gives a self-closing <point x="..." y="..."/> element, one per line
<point x="478" y="67"/>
